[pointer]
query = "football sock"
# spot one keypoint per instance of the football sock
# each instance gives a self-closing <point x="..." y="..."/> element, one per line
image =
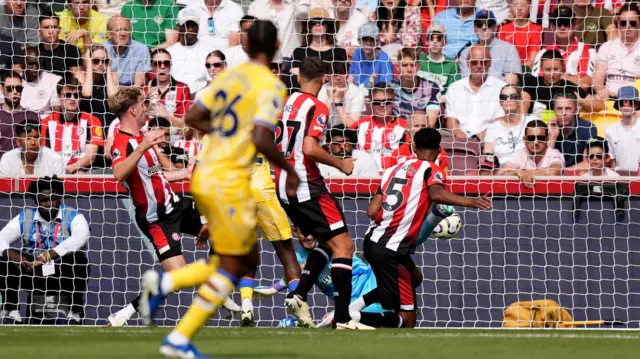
<point x="210" y="296"/>
<point x="341" y="276"/>
<point x="190" y="275"/>
<point x="381" y="320"/>
<point x="246" y="285"/>
<point x="317" y="260"/>
<point x="293" y="284"/>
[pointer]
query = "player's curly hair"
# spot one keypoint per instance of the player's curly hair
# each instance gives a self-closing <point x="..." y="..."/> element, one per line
<point x="427" y="138"/>
<point x="53" y="184"/>
<point x="124" y="99"/>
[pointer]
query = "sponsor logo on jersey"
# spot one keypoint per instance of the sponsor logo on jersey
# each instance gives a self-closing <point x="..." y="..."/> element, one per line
<point x="391" y="136"/>
<point x="154" y="169"/>
<point x="116" y="154"/>
<point x="322" y="120"/>
<point x="439" y="177"/>
<point x="80" y="130"/>
<point x="158" y="19"/>
<point x="98" y="131"/>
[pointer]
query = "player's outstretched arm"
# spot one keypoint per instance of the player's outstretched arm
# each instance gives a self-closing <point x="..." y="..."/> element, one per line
<point x="264" y="139"/>
<point x="312" y="149"/>
<point x="440" y="195"/>
<point x="198" y="117"/>
<point x="124" y="168"/>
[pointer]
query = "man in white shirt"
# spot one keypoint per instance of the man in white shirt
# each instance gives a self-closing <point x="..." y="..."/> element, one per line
<point x="340" y="142"/>
<point x="40" y="93"/>
<point x="30" y="158"/>
<point x="344" y="99"/>
<point x="624" y="135"/>
<point x="237" y="55"/>
<point x="472" y="103"/>
<point x="599" y="159"/>
<point x="189" y="54"/>
<point x="218" y="21"/>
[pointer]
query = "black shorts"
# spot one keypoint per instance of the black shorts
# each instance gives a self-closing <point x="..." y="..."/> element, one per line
<point x="393" y="275"/>
<point x="321" y="217"/>
<point x="165" y="233"/>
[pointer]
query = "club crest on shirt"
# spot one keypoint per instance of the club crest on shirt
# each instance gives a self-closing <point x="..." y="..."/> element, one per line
<point x="391" y="136"/>
<point x="80" y="130"/>
<point x="175" y="236"/>
<point x="158" y="20"/>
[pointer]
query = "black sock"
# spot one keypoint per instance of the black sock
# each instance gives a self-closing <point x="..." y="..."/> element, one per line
<point x="371" y="297"/>
<point x="341" y="277"/>
<point x="380" y="320"/>
<point x="317" y="260"/>
<point x="136" y="303"/>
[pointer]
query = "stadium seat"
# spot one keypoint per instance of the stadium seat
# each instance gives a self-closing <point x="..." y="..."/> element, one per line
<point x="463" y="155"/>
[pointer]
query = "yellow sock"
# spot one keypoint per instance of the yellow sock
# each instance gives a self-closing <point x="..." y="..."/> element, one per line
<point x="246" y="292"/>
<point x="192" y="274"/>
<point x="210" y="296"/>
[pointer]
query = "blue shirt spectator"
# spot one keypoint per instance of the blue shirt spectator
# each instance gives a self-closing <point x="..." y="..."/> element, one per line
<point x="458" y="24"/>
<point x="129" y="58"/>
<point x="370" y="65"/>
<point x="568" y="133"/>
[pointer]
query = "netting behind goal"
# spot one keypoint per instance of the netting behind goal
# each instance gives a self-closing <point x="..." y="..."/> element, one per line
<point x="526" y="248"/>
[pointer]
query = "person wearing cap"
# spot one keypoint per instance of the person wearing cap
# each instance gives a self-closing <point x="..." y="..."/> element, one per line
<point x="370" y="65"/>
<point x="505" y="60"/>
<point x="458" y="22"/>
<point x="523" y="33"/>
<point x="578" y="57"/>
<point x="599" y="159"/>
<point x="436" y="67"/>
<point x="129" y="58"/>
<point x="624" y="135"/>
<point x="153" y="22"/>
<point x="190" y="53"/>
<point x="82" y="26"/>
<point x="219" y="21"/>
<point x="617" y="62"/>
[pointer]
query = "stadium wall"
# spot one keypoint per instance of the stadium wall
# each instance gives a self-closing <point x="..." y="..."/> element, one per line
<point x="530" y="246"/>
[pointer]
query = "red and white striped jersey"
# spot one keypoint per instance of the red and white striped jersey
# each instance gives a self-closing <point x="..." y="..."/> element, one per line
<point x="381" y="139"/>
<point x="149" y="188"/>
<point x="114" y="128"/>
<point x="405" y="204"/>
<point x="579" y="59"/>
<point x="69" y="138"/>
<point x="190" y="147"/>
<point x="303" y="116"/>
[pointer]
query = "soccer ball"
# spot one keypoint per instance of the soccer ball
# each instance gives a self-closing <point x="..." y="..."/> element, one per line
<point x="448" y="227"/>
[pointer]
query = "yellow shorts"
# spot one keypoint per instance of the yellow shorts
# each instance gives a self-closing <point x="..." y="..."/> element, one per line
<point x="273" y="221"/>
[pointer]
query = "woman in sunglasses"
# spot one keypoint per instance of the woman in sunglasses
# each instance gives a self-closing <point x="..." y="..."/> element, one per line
<point x="505" y="136"/>
<point x="98" y="84"/>
<point x="215" y="63"/>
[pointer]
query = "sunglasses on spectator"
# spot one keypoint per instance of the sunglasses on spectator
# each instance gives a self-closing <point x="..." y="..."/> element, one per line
<point x="624" y="23"/>
<point x="216" y="65"/>
<point x="593" y="156"/>
<point x="481" y="23"/>
<point x="13" y="88"/>
<point x="100" y="61"/>
<point x="314" y="22"/>
<point x="479" y="62"/>
<point x="381" y="102"/>
<point x="71" y="95"/>
<point x="436" y="37"/>
<point x="533" y="138"/>
<point x="165" y="63"/>
<point x="512" y="96"/>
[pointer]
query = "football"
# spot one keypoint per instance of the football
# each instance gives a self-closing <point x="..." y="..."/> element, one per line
<point x="448" y="227"/>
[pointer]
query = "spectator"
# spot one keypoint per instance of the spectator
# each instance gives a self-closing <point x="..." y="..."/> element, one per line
<point x="370" y="65"/>
<point x="218" y="20"/>
<point x="19" y="22"/>
<point x="578" y="57"/>
<point x="129" y="58"/>
<point x="237" y="55"/>
<point x="399" y="24"/>
<point x="81" y="25"/>
<point x="599" y="159"/>
<point x="287" y="15"/>
<point x="382" y="132"/>
<point x="191" y="142"/>
<point x="523" y="33"/>
<point x="415" y="96"/>
<point x="190" y="53"/>
<point x="500" y="8"/>
<point x="50" y="260"/>
<point x="9" y="54"/>
<point x="12" y="112"/>
<point x="350" y="19"/>
<point x="98" y="84"/>
<point x="472" y="103"/>
<point x="29" y="158"/>
<point x="170" y="99"/>
<point x="153" y="22"/>
<point x="340" y="142"/>
<point x="170" y="157"/>
<point x="458" y="23"/>
<point x="505" y="61"/>
<point x="108" y="8"/>
<point x="505" y="136"/>
<point x="404" y="152"/>
<point x="568" y="133"/>
<point x="74" y="134"/>
<point x="344" y="99"/>
<point x="57" y="56"/>
<point x="623" y="135"/>
<point x="538" y="90"/>
<point x="537" y="158"/>
<point x="215" y="63"/>
<point x="616" y="64"/>
<point x="593" y="25"/>
<point x="40" y="87"/>
<point x="436" y="67"/>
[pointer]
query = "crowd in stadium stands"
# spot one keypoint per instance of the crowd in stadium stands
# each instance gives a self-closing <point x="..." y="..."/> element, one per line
<point x="527" y="87"/>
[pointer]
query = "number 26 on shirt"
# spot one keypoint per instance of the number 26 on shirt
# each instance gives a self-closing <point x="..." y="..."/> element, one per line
<point x="225" y="118"/>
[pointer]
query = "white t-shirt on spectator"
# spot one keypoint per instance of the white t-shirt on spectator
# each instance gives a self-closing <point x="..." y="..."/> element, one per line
<point x="348" y="33"/>
<point x="48" y="163"/>
<point x="110" y="8"/>
<point x="624" y="145"/>
<point x="500" y="8"/>
<point x="42" y="95"/>
<point x="353" y="102"/>
<point x="235" y="56"/>
<point x="285" y="20"/>
<point x="623" y="64"/>
<point x="507" y="140"/>
<point x="474" y="111"/>
<point x="226" y="19"/>
<point x="364" y="167"/>
<point x="189" y="63"/>
<point x="608" y="172"/>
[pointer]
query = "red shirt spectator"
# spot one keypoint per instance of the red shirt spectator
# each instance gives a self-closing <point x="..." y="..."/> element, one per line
<point x="380" y="139"/>
<point x="176" y="98"/>
<point x="578" y="57"/>
<point x="526" y="39"/>
<point x="70" y="137"/>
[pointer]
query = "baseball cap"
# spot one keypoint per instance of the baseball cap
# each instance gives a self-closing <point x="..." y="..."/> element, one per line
<point x="319" y="13"/>
<point x="436" y="28"/>
<point x="485" y="15"/>
<point x="368" y="30"/>
<point x="188" y="14"/>
<point x="562" y="16"/>
<point x="626" y="93"/>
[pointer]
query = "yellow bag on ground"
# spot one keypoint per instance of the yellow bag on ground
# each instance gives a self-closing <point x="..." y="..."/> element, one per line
<point x="542" y="313"/>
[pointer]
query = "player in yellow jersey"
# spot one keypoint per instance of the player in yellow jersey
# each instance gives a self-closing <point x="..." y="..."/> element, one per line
<point x="240" y="110"/>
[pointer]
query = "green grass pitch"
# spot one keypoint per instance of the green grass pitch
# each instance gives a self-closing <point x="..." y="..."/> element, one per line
<point x="79" y="342"/>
